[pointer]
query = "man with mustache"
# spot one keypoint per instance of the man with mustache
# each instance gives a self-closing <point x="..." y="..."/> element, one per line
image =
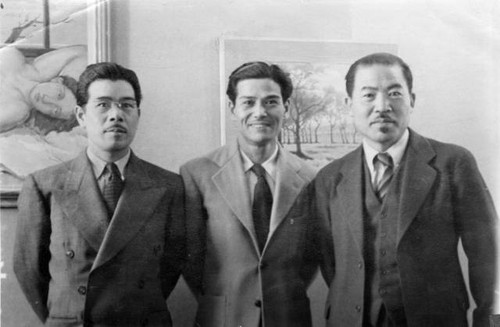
<point x="100" y="238"/>
<point x="393" y="211"/>
<point x="249" y="232"/>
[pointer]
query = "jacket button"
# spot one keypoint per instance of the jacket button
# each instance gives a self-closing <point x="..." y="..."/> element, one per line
<point x="360" y="265"/>
<point x="358" y="308"/>
<point x="145" y="322"/>
<point x="262" y="265"/>
<point x="140" y="284"/>
<point x="70" y="254"/>
<point x="82" y="290"/>
<point x="258" y="303"/>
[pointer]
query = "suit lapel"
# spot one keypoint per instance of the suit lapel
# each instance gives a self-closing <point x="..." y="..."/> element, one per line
<point x="351" y="194"/>
<point x="82" y="203"/>
<point x="418" y="177"/>
<point x="139" y="199"/>
<point x="288" y="186"/>
<point x="231" y="183"/>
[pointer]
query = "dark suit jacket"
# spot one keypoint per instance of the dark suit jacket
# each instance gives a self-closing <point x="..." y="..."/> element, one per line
<point x="443" y="199"/>
<point x="232" y="281"/>
<point x="74" y="267"/>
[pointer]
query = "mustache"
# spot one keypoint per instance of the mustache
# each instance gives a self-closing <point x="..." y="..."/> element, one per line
<point x="116" y="128"/>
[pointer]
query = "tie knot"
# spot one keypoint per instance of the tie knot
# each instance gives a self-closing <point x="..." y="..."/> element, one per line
<point x="259" y="170"/>
<point x="385" y="159"/>
<point x="112" y="170"/>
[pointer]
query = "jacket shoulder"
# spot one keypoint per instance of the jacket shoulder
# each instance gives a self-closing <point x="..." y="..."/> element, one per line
<point x="208" y="160"/>
<point x="337" y="165"/>
<point x="52" y="175"/>
<point x="161" y="175"/>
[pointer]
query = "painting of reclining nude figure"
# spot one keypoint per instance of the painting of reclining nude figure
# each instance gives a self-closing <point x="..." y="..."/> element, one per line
<point x="41" y="60"/>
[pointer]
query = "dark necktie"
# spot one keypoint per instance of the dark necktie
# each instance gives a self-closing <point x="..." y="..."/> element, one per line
<point x="262" y="205"/>
<point x="382" y="182"/>
<point x="113" y="186"/>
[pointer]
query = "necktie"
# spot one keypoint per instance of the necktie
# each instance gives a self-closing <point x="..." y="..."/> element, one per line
<point x="262" y="205"/>
<point x="113" y="186"/>
<point x="384" y="168"/>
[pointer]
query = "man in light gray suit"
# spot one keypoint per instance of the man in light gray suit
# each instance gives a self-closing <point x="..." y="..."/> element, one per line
<point x="100" y="238"/>
<point x="249" y="233"/>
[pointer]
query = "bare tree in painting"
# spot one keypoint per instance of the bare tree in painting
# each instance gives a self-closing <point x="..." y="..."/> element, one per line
<point x="16" y="32"/>
<point x="336" y="115"/>
<point x="308" y="100"/>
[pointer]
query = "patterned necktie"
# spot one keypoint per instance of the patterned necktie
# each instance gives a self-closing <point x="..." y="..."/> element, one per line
<point x="262" y="205"/>
<point x="113" y="186"/>
<point x="384" y="168"/>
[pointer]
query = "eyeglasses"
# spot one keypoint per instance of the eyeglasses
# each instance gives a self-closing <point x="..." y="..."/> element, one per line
<point x="123" y="105"/>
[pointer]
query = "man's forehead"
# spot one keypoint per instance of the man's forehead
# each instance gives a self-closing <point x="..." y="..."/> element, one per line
<point x="370" y="75"/>
<point x="248" y="87"/>
<point x="106" y="87"/>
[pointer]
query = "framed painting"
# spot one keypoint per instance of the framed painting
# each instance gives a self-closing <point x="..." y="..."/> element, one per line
<point x="46" y="44"/>
<point x="318" y="126"/>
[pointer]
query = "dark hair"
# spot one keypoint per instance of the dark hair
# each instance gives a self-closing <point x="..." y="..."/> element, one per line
<point x="380" y="58"/>
<point x="106" y="71"/>
<point x="257" y="70"/>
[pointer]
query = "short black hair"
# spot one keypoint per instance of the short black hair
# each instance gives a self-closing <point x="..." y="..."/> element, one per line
<point x="258" y="70"/>
<point x="106" y="71"/>
<point x="380" y="58"/>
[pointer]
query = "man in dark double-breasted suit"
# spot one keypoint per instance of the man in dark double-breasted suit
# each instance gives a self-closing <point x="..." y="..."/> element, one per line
<point x="393" y="212"/>
<point x="100" y="238"/>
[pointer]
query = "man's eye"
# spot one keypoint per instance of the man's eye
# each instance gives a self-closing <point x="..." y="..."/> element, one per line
<point x="395" y="94"/>
<point x="368" y="96"/>
<point x="127" y="106"/>
<point x="103" y="105"/>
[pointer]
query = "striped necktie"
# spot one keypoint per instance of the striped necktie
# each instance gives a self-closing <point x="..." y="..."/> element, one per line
<point x="262" y="205"/>
<point x="113" y="186"/>
<point x="384" y="169"/>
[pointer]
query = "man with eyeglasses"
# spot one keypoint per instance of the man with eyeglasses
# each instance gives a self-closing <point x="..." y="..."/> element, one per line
<point x="249" y="232"/>
<point x="100" y="238"/>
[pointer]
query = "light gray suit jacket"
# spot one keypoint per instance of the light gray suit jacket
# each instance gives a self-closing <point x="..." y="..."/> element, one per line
<point x="232" y="280"/>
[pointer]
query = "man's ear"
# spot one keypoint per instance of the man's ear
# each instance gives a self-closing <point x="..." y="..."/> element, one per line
<point x="287" y="105"/>
<point x="230" y="105"/>
<point x="348" y="101"/>
<point x="80" y="115"/>
<point x="413" y="97"/>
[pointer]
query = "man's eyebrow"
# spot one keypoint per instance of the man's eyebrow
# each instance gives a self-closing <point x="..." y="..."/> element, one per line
<point x="111" y="98"/>
<point x="394" y="86"/>
<point x="373" y="88"/>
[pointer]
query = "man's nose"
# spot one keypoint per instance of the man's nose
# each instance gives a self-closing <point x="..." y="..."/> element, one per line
<point x="382" y="104"/>
<point x="259" y="110"/>
<point x="115" y="112"/>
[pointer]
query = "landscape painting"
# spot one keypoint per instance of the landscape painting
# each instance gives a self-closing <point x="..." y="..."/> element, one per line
<point x="318" y="126"/>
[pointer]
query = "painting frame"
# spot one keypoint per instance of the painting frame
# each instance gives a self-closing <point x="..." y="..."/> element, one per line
<point x="97" y="14"/>
<point x="234" y="51"/>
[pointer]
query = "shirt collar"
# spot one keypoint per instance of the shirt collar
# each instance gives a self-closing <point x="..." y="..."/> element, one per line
<point x="396" y="151"/>
<point x="269" y="165"/>
<point x="98" y="164"/>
